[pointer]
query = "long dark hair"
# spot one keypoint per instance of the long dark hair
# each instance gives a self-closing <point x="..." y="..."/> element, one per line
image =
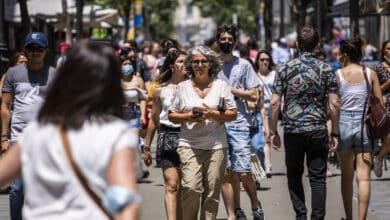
<point x="271" y="61"/>
<point x="166" y="72"/>
<point x="87" y="87"/>
<point x="383" y="50"/>
<point x="15" y="58"/>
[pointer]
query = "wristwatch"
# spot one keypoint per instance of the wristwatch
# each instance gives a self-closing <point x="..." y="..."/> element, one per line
<point x="146" y="148"/>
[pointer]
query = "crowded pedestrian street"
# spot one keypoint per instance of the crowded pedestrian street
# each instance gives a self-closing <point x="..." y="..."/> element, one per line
<point x="194" y="110"/>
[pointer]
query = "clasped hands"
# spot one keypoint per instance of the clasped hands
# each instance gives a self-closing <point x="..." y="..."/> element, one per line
<point x="201" y="113"/>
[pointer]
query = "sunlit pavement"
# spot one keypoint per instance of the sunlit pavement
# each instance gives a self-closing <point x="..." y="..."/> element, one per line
<point x="274" y="195"/>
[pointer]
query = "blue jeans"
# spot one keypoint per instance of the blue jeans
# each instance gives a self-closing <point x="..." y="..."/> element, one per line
<point x="132" y="113"/>
<point x="16" y="200"/>
<point x="258" y="139"/>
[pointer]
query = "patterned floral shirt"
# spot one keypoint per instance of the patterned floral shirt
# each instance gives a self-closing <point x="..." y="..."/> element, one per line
<point x="305" y="82"/>
<point x="383" y="76"/>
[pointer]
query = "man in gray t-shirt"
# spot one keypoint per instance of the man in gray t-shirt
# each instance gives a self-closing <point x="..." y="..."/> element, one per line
<point x="25" y="88"/>
<point x="241" y="77"/>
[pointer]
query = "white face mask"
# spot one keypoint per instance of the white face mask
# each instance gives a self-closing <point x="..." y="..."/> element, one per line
<point x="387" y="59"/>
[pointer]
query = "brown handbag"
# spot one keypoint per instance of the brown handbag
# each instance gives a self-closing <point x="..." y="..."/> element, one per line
<point x="376" y="118"/>
<point x="79" y="175"/>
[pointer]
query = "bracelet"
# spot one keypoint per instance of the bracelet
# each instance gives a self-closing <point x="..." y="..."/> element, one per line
<point x="4" y="140"/>
<point x="146" y="148"/>
<point x="273" y="133"/>
<point x="334" y="135"/>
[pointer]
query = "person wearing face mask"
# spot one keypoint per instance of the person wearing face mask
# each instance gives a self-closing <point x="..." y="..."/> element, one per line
<point x="243" y="82"/>
<point x="135" y="94"/>
<point x="135" y="101"/>
<point x="383" y="71"/>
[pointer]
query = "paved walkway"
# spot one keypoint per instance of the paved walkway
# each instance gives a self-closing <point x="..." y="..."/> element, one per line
<point x="274" y="196"/>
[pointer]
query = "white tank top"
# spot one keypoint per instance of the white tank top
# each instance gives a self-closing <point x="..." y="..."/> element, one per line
<point x="352" y="95"/>
<point x="131" y="95"/>
<point x="166" y="101"/>
<point x="267" y="82"/>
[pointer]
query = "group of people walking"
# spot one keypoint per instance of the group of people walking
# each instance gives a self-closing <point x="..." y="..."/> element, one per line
<point x="74" y="131"/>
<point x="305" y="91"/>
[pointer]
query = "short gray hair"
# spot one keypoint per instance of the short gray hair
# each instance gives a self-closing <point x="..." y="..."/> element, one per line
<point x="212" y="57"/>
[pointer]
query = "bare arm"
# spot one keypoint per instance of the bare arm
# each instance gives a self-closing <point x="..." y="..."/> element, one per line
<point x="10" y="166"/>
<point x="1" y="84"/>
<point x="183" y="117"/>
<point x="334" y="107"/>
<point x="273" y="120"/>
<point x="221" y="116"/>
<point x="122" y="171"/>
<point x="6" y="104"/>
<point x="156" y="109"/>
<point x="274" y="113"/>
<point x="249" y="94"/>
<point x="154" y="123"/>
<point x="385" y="85"/>
<point x="262" y="111"/>
<point x="142" y="104"/>
<point x="150" y="131"/>
<point x="376" y="87"/>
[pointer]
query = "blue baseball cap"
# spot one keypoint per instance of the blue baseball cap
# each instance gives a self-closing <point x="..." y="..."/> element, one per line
<point x="36" y="38"/>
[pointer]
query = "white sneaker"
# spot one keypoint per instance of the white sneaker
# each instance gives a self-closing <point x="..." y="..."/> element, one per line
<point x="268" y="170"/>
<point x="378" y="164"/>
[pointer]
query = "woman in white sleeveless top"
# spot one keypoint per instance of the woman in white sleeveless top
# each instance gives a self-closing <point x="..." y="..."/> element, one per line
<point x="353" y="95"/>
<point x="264" y="65"/>
<point x="172" y="72"/>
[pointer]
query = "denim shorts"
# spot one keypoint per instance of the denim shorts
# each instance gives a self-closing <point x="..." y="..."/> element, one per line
<point x="239" y="141"/>
<point x="257" y="135"/>
<point x="132" y="114"/>
<point x="350" y="134"/>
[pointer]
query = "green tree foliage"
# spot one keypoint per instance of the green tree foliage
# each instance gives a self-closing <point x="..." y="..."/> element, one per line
<point x="222" y="10"/>
<point x="158" y="15"/>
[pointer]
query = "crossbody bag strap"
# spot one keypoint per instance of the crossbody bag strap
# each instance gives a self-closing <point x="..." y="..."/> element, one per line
<point x="265" y="87"/>
<point x="365" y="106"/>
<point x="80" y="176"/>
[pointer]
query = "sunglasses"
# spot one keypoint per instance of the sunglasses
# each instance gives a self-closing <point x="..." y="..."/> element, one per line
<point x="197" y="62"/>
<point x="264" y="59"/>
<point x="32" y="49"/>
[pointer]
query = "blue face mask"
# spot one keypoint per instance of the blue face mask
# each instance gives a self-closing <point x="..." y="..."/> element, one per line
<point x="127" y="70"/>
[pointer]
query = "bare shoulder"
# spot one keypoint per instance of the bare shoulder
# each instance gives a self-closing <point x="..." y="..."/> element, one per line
<point x="157" y="92"/>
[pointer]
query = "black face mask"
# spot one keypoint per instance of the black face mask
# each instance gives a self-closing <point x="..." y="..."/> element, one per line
<point x="225" y="47"/>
